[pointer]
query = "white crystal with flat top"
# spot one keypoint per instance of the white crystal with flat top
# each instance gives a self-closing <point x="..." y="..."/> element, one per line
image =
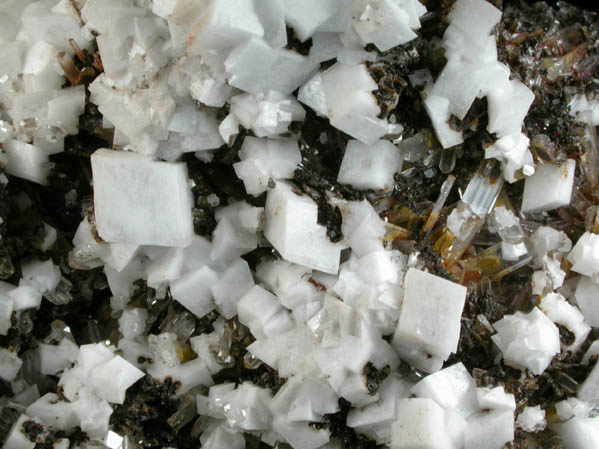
<point x="292" y="228"/>
<point x="429" y="322"/>
<point x="138" y="200"/>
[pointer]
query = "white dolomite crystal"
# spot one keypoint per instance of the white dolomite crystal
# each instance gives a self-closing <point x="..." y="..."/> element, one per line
<point x="429" y="329"/>
<point x="550" y="187"/>
<point x="292" y="228"/>
<point x="137" y="200"/>
<point x="527" y="340"/>
<point x="370" y="166"/>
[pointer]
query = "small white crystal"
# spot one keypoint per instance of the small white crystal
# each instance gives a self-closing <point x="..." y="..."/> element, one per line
<point x="16" y="439"/>
<point x="25" y="297"/>
<point x="27" y="161"/>
<point x="370" y="166"/>
<point x="234" y="283"/>
<point x="55" y="358"/>
<point x="192" y="290"/>
<point x="562" y="312"/>
<point x="584" y="257"/>
<point x="266" y="159"/>
<point x="550" y="187"/>
<point x="44" y="276"/>
<point x="489" y="430"/>
<point x="112" y="379"/>
<point x="351" y="107"/>
<point x="532" y="419"/>
<point x="452" y="388"/>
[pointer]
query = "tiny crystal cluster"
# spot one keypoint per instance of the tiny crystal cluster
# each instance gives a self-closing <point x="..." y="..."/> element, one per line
<point x="302" y="224"/>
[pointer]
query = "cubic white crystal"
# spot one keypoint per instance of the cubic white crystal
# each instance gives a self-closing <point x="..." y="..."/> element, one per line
<point x="10" y="364"/>
<point x="307" y="16"/>
<point x="512" y="151"/>
<point x="44" y="276"/>
<point x="383" y="23"/>
<point x="370" y="166"/>
<point x="489" y="430"/>
<point x="223" y="24"/>
<point x="137" y="200"/>
<point x="65" y="109"/>
<point x="584" y="257"/>
<point x="263" y="313"/>
<point x="112" y="379"/>
<point x="560" y="311"/>
<point x="312" y="95"/>
<point x="431" y="326"/>
<point x="222" y="436"/>
<point x="230" y="242"/>
<point x="53" y="412"/>
<point x="579" y="432"/>
<point x="292" y="228"/>
<point x="508" y="105"/>
<point x="16" y="439"/>
<point x="27" y="161"/>
<point x="192" y="290"/>
<point x="420" y="424"/>
<point x="486" y="14"/>
<point x="548" y="240"/>
<point x="199" y="128"/>
<point x="25" y="297"/>
<point x="132" y="322"/>
<point x="256" y="67"/>
<point x="234" y="283"/>
<point x="452" y="388"/>
<point x="438" y="111"/>
<point x="550" y="187"/>
<point x="351" y="106"/>
<point x="265" y="159"/>
<point x="527" y="340"/>
<point x="267" y="114"/>
<point x="55" y="358"/>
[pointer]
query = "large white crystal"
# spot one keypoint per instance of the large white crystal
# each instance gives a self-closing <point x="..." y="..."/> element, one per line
<point x="137" y="200"/>
<point x="292" y="228"/>
<point x="429" y="323"/>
